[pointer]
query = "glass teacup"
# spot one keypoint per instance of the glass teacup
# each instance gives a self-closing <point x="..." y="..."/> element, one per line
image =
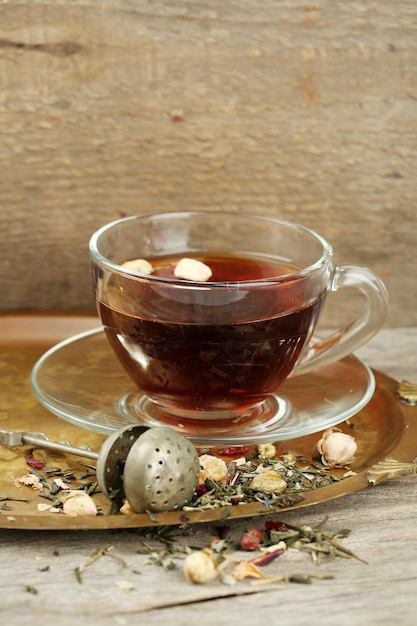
<point x="216" y="347"/>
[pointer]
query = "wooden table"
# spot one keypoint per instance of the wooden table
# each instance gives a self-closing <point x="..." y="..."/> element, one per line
<point x="38" y="582"/>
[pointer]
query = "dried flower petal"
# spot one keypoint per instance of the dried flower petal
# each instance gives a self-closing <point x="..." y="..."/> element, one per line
<point x="30" y="460"/>
<point x="61" y="484"/>
<point x="233" y="451"/>
<point x="270" y="554"/>
<point x="246" y="569"/>
<point x="31" y="480"/>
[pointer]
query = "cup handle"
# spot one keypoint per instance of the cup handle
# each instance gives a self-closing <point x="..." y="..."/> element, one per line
<point x="348" y="339"/>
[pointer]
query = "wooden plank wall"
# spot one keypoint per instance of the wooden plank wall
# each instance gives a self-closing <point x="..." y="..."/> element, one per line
<point x="302" y="110"/>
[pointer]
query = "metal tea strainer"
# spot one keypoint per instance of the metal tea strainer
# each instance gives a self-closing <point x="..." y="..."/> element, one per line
<point x="156" y="469"/>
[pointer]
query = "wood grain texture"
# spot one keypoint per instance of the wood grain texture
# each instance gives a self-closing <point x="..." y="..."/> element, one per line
<point x="306" y="111"/>
<point x="378" y="593"/>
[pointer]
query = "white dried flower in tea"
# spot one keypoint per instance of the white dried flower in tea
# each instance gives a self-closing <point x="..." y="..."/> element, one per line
<point x="191" y="269"/>
<point x="142" y="266"/>
<point x="336" y="448"/>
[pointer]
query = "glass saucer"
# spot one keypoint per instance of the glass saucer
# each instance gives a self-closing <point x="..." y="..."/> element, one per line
<point x="81" y="381"/>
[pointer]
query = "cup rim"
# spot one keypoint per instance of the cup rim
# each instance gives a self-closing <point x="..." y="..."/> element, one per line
<point x="325" y="257"/>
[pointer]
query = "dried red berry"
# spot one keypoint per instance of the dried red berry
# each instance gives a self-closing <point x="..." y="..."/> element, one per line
<point x="200" y="490"/>
<point x="275" y="525"/>
<point x="251" y="540"/>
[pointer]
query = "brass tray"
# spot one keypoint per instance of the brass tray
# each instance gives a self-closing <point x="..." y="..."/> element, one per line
<point x="385" y="427"/>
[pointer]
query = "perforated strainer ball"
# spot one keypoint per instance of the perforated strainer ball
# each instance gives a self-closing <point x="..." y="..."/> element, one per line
<point x="161" y="471"/>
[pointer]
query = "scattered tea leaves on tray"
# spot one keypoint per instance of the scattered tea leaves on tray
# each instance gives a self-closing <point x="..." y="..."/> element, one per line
<point x="229" y="477"/>
<point x="12" y="499"/>
<point x="57" y="485"/>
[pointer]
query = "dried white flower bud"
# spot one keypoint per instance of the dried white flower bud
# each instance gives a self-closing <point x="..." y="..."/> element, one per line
<point x="200" y="566"/>
<point x="269" y="481"/>
<point x="336" y="448"/>
<point x="138" y="265"/>
<point x="78" y="503"/>
<point x="191" y="269"/>
<point x="266" y="451"/>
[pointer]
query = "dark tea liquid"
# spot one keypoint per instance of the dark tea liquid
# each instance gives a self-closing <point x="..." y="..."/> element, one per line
<point x="205" y="366"/>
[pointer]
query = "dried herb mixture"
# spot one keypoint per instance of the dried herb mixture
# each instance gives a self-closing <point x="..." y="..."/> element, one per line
<point x="239" y="486"/>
